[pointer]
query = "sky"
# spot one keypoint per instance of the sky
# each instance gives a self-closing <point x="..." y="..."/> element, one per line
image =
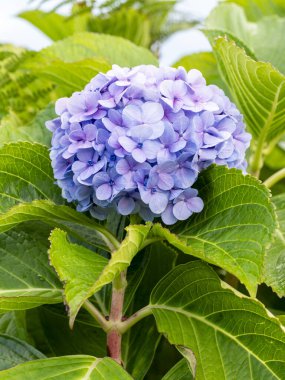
<point x="21" y="33"/>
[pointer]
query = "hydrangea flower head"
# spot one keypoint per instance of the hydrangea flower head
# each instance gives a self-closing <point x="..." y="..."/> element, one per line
<point x="135" y="139"/>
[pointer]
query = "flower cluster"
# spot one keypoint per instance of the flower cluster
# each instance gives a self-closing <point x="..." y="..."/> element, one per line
<point x="136" y="139"/>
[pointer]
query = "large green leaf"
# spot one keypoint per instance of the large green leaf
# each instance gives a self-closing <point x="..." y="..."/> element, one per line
<point x="259" y="91"/>
<point x="181" y="371"/>
<point x="26" y="279"/>
<point x="15" y="351"/>
<point x="274" y="266"/>
<point x="206" y="63"/>
<point x="234" y="227"/>
<point x="25" y="175"/>
<point x="91" y="45"/>
<point x="77" y="267"/>
<point x="48" y="326"/>
<point x="256" y="9"/>
<point x="76" y="223"/>
<point x="231" y="335"/>
<point x="264" y="38"/>
<point x="79" y="367"/>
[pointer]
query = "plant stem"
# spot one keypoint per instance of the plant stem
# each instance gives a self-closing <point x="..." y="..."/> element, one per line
<point x="276" y="177"/>
<point x="96" y="315"/>
<point x="257" y="160"/>
<point x="114" y="335"/>
<point x="135" y="318"/>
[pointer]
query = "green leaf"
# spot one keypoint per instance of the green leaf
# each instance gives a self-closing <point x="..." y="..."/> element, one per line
<point x="54" y="25"/>
<point x="25" y="175"/>
<point x="126" y="22"/>
<point x="141" y="341"/>
<point x="206" y="63"/>
<point x="181" y="371"/>
<point x="259" y="91"/>
<point x="274" y="266"/>
<point x="122" y="257"/>
<point x="15" y="351"/>
<point x="67" y="367"/>
<point x="256" y="9"/>
<point x="234" y="227"/>
<point x="227" y="331"/>
<point x="48" y="326"/>
<point x="22" y="94"/>
<point x="26" y="280"/>
<point x="264" y="38"/>
<point x="14" y="324"/>
<point x="66" y="218"/>
<point x="33" y="131"/>
<point x="73" y="76"/>
<point x="77" y="267"/>
<point x="114" y="50"/>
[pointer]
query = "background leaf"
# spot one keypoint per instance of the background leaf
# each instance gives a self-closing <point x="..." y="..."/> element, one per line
<point x="25" y="175"/>
<point x="255" y="9"/>
<point x="26" y="279"/>
<point x="71" y="367"/>
<point x="77" y="267"/>
<point x="15" y="351"/>
<point x="181" y="371"/>
<point x="140" y="343"/>
<point x="274" y="267"/>
<point x="264" y="38"/>
<point x="194" y="308"/>
<point x="48" y="327"/>
<point x="113" y="49"/>
<point x="231" y="232"/>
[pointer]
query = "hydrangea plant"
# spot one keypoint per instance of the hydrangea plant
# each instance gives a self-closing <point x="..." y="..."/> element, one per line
<point x="137" y="240"/>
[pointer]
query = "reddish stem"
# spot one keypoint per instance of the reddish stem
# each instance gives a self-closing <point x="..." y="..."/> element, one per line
<point x="114" y="337"/>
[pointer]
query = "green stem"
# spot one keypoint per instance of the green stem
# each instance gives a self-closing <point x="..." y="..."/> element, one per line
<point x="276" y="177"/>
<point x="257" y="160"/>
<point x="114" y="335"/>
<point x="135" y="318"/>
<point x="97" y="315"/>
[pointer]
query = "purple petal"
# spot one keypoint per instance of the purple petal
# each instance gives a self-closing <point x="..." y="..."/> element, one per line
<point x="195" y="204"/>
<point x="166" y="89"/>
<point x="61" y="106"/>
<point x="104" y="192"/>
<point x="152" y="112"/>
<point x="158" y="202"/>
<point x="128" y="144"/>
<point x="122" y="167"/>
<point x="139" y="155"/>
<point x="165" y="181"/>
<point x="181" y="211"/>
<point x="126" y="205"/>
<point x="167" y="216"/>
<point x="132" y="115"/>
<point x="151" y="148"/>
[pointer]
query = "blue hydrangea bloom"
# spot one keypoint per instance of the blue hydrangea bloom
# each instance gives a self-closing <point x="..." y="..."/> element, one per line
<point x="136" y="139"/>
